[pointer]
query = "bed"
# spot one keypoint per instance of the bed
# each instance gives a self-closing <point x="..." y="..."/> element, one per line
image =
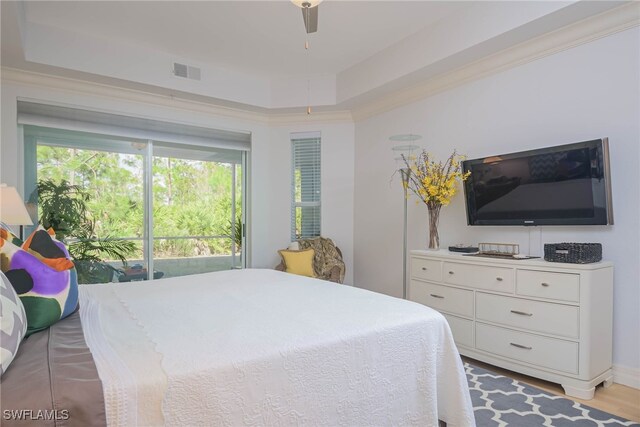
<point x="260" y="347"/>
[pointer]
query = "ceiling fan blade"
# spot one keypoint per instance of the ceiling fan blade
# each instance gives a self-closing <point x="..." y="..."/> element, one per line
<point x="310" y="16"/>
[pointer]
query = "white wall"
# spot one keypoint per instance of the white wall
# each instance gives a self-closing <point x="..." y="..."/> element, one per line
<point x="587" y="92"/>
<point x="336" y="186"/>
<point x="270" y="157"/>
<point x="121" y="60"/>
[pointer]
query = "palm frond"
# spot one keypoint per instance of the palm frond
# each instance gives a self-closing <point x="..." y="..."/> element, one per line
<point x="63" y="207"/>
<point x="96" y="249"/>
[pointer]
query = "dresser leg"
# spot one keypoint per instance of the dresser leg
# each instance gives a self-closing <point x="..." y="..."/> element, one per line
<point x="580" y="393"/>
<point x="608" y="382"/>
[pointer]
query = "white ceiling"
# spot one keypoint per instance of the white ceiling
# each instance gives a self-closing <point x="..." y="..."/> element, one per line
<point x="259" y="37"/>
<point x="252" y="53"/>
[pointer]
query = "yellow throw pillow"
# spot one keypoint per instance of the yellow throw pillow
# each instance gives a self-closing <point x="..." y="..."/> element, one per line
<point x="299" y="262"/>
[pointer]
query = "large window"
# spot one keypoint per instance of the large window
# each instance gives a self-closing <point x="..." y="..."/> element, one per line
<point x="305" y="185"/>
<point x="177" y="205"/>
<point x="197" y="209"/>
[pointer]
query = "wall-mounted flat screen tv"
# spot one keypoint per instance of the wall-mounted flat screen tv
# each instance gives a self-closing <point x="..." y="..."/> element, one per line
<point x="563" y="185"/>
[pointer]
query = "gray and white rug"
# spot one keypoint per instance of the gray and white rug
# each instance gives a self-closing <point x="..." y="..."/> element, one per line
<point x="500" y="401"/>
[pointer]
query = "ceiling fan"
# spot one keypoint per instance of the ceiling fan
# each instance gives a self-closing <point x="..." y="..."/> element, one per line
<point x="309" y="13"/>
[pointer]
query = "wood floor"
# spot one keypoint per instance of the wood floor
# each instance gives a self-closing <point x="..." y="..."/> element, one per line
<point x="618" y="399"/>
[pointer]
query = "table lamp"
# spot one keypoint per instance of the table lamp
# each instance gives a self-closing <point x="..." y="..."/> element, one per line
<point x="12" y="208"/>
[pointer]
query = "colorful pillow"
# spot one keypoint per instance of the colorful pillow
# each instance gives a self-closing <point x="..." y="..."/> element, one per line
<point x="298" y="262"/>
<point x="13" y="323"/>
<point x="6" y="234"/>
<point x="47" y="294"/>
<point x="42" y="244"/>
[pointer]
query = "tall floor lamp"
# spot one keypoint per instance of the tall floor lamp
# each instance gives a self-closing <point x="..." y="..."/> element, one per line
<point x="405" y="150"/>
<point x="12" y="208"/>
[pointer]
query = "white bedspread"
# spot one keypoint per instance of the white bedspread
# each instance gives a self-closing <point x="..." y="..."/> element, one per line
<point x="260" y="347"/>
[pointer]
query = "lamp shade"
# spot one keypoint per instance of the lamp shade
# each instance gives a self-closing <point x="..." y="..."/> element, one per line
<point x="12" y="208"/>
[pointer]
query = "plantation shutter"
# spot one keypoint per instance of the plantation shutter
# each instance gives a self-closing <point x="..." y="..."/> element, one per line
<point x="305" y="185"/>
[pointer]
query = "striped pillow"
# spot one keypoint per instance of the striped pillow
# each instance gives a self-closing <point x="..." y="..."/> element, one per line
<point x="13" y="323"/>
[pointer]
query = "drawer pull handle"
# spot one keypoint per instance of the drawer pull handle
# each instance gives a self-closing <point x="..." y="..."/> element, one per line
<point x="437" y="296"/>
<point x="546" y="285"/>
<point x="521" y="346"/>
<point x="451" y="272"/>
<point x="424" y="268"/>
<point x="499" y="279"/>
<point x="521" y="313"/>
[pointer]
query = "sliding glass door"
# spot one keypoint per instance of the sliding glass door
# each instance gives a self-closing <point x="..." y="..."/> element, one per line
<point x="152" y="208"/>
<point x="197" y="209"/>
<point x="106" y="231"/>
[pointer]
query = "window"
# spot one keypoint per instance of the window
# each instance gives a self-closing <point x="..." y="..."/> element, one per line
<point x="305" y="185"/>
<point x="176" y="197"/>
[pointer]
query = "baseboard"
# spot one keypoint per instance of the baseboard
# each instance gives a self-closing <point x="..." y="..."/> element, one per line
<point x="626" y="376"/>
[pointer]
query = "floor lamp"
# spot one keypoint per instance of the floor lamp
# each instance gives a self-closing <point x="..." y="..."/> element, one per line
<point x="12" y="208"/>
<point x="404" y="152"/>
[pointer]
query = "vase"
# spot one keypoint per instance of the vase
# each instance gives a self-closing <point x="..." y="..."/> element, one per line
<point x="434" y="216"/>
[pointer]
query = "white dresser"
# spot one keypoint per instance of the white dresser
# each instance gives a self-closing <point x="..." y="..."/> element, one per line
<point x="547" y="320"/>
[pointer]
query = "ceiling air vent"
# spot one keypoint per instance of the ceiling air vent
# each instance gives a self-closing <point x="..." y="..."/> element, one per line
<point x="186" y="71"/>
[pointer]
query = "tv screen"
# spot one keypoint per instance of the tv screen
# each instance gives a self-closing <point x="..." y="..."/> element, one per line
<point x="562" y="185"/>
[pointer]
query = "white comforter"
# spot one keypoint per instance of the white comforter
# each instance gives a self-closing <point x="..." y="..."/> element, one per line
<point x="260" y="347"/>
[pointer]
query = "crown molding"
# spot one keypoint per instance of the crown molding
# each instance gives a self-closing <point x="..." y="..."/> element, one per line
<point x="585" y="31"/>
<point x="76" y="86"/>
<point x="343" y="116"/>
<point x="65" y="84"/>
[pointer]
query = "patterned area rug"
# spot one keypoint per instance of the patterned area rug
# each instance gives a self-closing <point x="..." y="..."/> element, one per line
<point x="500" y="401"/>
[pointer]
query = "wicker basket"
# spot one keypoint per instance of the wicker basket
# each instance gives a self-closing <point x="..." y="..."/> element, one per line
<point x="573" y="253"/>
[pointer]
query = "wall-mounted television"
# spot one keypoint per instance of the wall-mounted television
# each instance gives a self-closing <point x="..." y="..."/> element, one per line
<point x="562" y="185"/>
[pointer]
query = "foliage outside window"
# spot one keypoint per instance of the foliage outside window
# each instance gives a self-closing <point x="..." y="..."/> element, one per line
<point x="63" y="207"/>
<point x="191" y="198"/>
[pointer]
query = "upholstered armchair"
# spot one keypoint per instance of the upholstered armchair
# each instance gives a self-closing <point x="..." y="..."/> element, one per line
<point x="327" y="261"/>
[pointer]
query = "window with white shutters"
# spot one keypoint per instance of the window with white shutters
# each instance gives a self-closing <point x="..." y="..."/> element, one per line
<point x="305" y="185"/>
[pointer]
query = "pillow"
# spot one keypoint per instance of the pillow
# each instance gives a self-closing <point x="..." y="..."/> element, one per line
<point x="298" y="262"/>
<point x="43" y="244"/>
<point x="50" y="251"/>
<point x="6" y="234"/>
<point x="46" y="293"/>
<point x="13" y="323"/>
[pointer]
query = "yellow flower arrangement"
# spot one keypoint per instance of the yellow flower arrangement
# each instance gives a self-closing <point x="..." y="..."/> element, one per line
<point x="435" y="183"/>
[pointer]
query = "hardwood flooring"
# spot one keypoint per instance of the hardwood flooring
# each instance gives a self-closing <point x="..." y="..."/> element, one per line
<point x="618" y="399"/>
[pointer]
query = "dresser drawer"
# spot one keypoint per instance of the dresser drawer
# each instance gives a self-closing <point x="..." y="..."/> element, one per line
<point x="443" y="298"/>
<point x="550" y="353"/>
<point x="536" y="316"/>
<point x="426" y="269"/>
<point x="479" y="276"/>
<point x="547" y="284"/>
<point x="462" y="330"/>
